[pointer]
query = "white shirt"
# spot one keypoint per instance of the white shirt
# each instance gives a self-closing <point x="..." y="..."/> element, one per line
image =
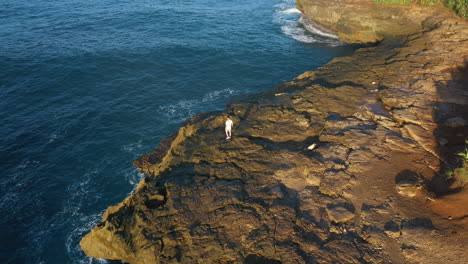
<point x="229" y="124"/>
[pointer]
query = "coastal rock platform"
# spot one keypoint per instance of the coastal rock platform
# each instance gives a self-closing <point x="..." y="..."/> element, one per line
<point x="373" y="190"/>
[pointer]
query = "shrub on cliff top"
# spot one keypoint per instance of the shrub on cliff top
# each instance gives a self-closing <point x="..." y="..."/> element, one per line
<point x="458" y="6"/>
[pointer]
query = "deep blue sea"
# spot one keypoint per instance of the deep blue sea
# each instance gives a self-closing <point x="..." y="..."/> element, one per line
<point x="88" y="86"/>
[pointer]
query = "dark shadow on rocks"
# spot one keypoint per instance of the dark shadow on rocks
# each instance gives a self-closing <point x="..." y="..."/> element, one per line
<point x="324" y="83"/>
<point x="296" y="146"/>
<point x="418" y="223"/>
<point x="408" y="176"/>
<point x="392" y="226"/>
<point x="409" y="183"/>
<point x="158" y="199"/>
<point x="256" y="259"/>
<point x="255" y="99"/>
<point x="451" y="115"/>
<point x="309" y="235"/>
<point x="334" y="116"/>
<point x="368" y="207"/>
<point x="405" y="246"/>
<point x="349" y="206"/>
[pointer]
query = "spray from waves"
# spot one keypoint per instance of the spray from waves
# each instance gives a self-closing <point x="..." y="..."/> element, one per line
<point x="289" y="11"/>
<point x="299" y="28"/>
<point x="134" y="176"/>
<point x="180" y="111"/>
<point x="312" y="28"/>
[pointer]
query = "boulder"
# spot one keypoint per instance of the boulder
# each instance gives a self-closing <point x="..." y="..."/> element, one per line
<point x="339" y="214"/>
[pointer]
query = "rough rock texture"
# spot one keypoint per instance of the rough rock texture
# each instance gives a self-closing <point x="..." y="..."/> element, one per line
<point x="363" y="21"/>
<point x="371" y="191"/>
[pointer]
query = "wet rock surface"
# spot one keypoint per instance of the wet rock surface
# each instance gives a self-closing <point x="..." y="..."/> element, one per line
<point x="361" y="195"/>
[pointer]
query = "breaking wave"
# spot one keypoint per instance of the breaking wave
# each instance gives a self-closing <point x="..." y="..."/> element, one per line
<point x="294" y="25"/>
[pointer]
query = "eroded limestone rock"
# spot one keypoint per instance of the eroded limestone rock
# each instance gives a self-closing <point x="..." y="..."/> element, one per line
<point x="362" y="21"/>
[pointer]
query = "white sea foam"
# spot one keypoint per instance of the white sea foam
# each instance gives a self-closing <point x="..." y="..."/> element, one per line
<point x="299" y="28"/>
<point x="298" y="34"/>
<point x="180" y="111"/>
<point x="290" y="11"/>
<point x="217" y="94"/>
<point x="134" y="148"/>
<point x="177" y="112"/>
<point x="27" y="163"/>
<point x="312" y="28"/>
<point x="52" y="138"/>
<point x="134" y="176"/>
<point x="81" y="192"/>
<point x="83" y="224"/>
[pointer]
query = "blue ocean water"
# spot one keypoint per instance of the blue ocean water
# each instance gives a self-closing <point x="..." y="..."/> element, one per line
<point x="86" y="87"/>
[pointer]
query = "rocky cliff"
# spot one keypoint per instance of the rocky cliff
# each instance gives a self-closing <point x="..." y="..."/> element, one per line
<point x="362" y="21"/>
<point x="385" y="123"/>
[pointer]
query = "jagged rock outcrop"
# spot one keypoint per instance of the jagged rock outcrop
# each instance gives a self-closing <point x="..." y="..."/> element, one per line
<point x="263" y="197"/>
<point x="363" y="21"/>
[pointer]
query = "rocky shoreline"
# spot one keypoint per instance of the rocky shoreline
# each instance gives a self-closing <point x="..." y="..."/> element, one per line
<point x="372" y="191"/>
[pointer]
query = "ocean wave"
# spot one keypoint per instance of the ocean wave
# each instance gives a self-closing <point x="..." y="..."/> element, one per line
<point x="312" y="28"/>
<point x="294" y="25"/>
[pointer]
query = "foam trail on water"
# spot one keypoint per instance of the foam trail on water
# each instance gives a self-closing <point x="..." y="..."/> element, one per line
<point x="136" y="149"/>
<point x="177" y="112"/>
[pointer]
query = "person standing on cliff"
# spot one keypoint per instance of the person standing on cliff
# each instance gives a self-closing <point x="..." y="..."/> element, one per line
<point x="228" y="127"/>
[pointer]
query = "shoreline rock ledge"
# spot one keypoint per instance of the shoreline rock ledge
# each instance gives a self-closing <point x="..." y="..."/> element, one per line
<point x="373" y="188"/>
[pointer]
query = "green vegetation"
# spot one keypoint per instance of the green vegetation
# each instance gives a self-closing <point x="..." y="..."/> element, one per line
<point x="464" y="153"/>
<point x="458" y="6"/>
<point x="460" y="173"/>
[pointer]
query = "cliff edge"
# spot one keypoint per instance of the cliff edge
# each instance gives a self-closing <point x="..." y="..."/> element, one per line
<point x="385" y="122"/>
